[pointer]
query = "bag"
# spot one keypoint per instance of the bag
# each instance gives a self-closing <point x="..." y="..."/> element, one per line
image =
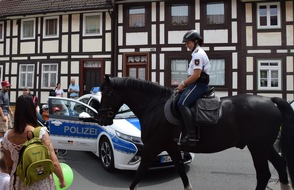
<point x="52" y="92"/>
<point x="208" y="110"/>
<point x="34" y="163"/>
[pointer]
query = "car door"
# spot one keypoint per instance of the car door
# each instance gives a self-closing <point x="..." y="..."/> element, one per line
<point x="67" y="130"/>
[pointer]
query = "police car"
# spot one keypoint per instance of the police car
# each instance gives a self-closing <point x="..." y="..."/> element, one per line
<point x="118" y="146"/>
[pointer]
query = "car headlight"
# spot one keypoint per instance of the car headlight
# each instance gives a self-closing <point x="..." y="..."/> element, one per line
<point x="136" y="140"/>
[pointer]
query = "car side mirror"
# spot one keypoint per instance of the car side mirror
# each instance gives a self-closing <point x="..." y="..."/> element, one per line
<point x="86" y="117"/>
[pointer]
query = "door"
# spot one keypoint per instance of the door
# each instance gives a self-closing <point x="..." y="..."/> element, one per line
<point x="92" y="78"/>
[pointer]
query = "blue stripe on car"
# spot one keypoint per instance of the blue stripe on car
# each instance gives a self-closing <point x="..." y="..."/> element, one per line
<point x="135" y="122"/>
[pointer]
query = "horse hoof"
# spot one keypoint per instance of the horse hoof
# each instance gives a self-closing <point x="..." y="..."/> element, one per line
<point x="285" y="186"/>
<point x="189" y="187"/>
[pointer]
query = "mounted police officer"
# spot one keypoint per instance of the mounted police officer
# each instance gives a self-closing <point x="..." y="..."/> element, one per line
<point x="195" y="86"/>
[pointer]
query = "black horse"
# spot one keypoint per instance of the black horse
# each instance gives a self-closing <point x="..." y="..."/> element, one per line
<point x="247" y="120"/>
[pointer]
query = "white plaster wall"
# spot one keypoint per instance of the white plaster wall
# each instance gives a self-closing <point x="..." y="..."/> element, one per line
<point x="120" y="36"/>
<point x="75" y="42"/>
<point x="65" y="23"/>
<point x="75" y="23"/>
<point x="15" y="28"/>
<point x="14" y="46"/>
<point x="161" y="34"/>
<point x="249" y="64"/>
<point x="153" y="36"/>
<point x="290" y="63"/>
<point x="153" y="12"/>
<point x="92" y="45"/>
<point x="249" y="35"/>
<point x="14" y="66"/>
<point x="215" y="36"/>
<point x="175" y="37"/>
<point x="290" y="82"/>
<point x="140" y="38"/>
<point x="75" y="69"/>
<point x="153" y="61"/>
<point x="119" y="62"/>
<point x="290" y="35"/>
<point x="64" y="43"/>
<point x="64" y="67"/>
<point x="108" y="22"/>
<point x="161" y="61"/>
<point x="269" y="39"/>
<point x="234" y="32"/>
<point x="161" y="13"/>
<point x="248" y="10"/>
<point x="27" y="47"/>
<point x="235" y="80"/>
<point x="234" y="9"/>
<point x="249" y="82"/>
<point x="289" y="11"/>
<point x="50" y="46"/>
<point x="107" y="42"/>
<point x="120" y="14"/>
<point x="107" y="67"/>
<point x="2" y="49"/>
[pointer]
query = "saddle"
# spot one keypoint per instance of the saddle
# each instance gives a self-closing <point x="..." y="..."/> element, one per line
<point x="206" y="110"/>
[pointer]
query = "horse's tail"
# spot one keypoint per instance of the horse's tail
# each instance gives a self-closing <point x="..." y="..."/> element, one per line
<point x="287" y="134"/>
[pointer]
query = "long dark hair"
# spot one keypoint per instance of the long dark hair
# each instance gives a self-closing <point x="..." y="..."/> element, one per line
<point x="25" y="113"/>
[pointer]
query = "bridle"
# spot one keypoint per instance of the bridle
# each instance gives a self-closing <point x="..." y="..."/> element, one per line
<point x="107" y="112"/>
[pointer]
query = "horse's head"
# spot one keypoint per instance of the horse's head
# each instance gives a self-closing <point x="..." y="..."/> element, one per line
<point x="110" y="103"/>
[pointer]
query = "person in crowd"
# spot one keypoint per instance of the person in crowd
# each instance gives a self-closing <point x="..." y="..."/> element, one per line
<point x="4" y="177"/>
<point x="26" y="121"/>
<point x="195" y="86"/>
<point x="45" y="112"/>
<point x="6" y="114"/>
<point x="58" y="90"/>
<point x="26" y="91"/>
<point x="73" y="89"/>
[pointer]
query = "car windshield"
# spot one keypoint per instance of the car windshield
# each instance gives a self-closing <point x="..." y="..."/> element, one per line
<point x="125" y="112"/>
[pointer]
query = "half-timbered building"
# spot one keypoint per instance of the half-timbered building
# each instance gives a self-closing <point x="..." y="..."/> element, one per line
<point x="250" y="43"/>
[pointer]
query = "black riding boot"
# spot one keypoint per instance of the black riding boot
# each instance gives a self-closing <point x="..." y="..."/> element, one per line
<point x="190" y="137"/>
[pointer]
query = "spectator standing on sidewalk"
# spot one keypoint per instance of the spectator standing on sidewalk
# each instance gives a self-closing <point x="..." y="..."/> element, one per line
<point x="5" y="110"/>
<point x="73" y="89"/>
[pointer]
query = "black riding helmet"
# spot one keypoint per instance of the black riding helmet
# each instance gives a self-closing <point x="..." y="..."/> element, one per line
<point x="193" y="35"/>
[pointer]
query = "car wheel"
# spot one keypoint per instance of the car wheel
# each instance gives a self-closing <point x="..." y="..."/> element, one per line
<point x="106" y="154"/>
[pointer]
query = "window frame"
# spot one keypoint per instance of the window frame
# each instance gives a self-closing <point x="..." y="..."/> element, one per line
<point x="26" y="72"/>
<point x="45" y="27"/>
<point x="147" y="17"/>
<point x="227" y="15"/>
<point x="49" y="76"/>
<point x="269" y="78"/>
<point x="268" y="26"/>
<point x="191" y="13"/>
<point x="33" y="29"/>
<point x="2" y="31"/>
<point x="85" y="24"/>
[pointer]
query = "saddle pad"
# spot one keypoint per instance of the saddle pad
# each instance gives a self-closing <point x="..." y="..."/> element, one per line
<point x="208" y="110"/>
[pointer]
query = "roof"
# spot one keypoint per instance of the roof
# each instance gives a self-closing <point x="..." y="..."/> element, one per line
<point x="30" y="7"/>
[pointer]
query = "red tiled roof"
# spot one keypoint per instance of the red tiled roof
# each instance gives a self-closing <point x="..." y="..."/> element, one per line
<point x="28" y="7"/>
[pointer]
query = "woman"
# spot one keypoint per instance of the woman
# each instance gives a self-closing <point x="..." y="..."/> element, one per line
<point x="195" y="86"/>
<point x="25" y="122"/>
<point x="58" y="90"/>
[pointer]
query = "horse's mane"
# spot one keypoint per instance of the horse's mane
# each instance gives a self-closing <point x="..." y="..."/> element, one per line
<point x="139" y="84"/>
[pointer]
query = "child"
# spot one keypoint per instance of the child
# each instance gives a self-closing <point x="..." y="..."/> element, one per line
<point x="4" y="177"/>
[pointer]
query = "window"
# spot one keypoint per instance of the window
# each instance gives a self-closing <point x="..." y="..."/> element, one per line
<point x="269" y="75"/>
<point x="51" y="27"/>
<point x="49" y="75"/>
<point x="137" y="17"/>
<point x="215" y="13"/>
<point x="217" y="72"/>
<point x="26" y="75"/>
<point x="92" y="24"/>
<point x="268" y="15"/>
<point x="179" y="15"/>
<point x="1" y="31"/>
<point x="178" y="70"/>
<point x="136" y="65"/>
<point x="28" y="31"/>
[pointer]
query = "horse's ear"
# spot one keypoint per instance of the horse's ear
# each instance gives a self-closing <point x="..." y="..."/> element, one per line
<point x="106" y="78"/>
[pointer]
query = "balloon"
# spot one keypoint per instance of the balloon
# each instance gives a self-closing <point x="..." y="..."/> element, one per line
<point x="68" y="176"/>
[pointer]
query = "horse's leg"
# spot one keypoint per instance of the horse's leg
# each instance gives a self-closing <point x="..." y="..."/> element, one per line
<point x="179" y="164"/>
<point x="260" y="161"/>
<point x="280" y="165"/>
<point x="146" y="160"/>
